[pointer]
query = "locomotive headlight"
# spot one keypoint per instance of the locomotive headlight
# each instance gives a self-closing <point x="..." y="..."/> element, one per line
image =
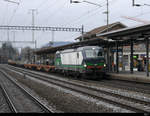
<point x="104" y="65"/>
<point x="85" y="65"/>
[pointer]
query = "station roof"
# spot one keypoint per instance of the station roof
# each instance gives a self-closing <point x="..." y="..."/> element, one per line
<point x="102" y="29"/>
<point x="123" y="37"/>
<point x="131" y="32"/>
<point x="94" y="41"/>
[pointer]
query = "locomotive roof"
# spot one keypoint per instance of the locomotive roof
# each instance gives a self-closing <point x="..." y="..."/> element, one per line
<point x="79" y="49"/>
<point x="88" y="47"/>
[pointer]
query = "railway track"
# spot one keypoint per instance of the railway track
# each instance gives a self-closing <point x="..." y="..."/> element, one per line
<point x="126" y="85"/>
<point x="8" y="99"/>
<point x="126" y="102"/>
<point x="11" y="102"/>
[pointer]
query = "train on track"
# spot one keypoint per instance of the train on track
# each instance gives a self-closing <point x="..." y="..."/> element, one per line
<point x="87" y="61"/>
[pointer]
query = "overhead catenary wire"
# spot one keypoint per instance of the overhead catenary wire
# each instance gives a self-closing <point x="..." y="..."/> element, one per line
<point x="89" y="19"/>
<point x="133" y="16"/>
<point x="45" y="20"/>
<point x="88" y="14"/>
<point x="5" y="21"/>
<point x="56" y="12"/>
<point x="49" y="8"/>
<point x="41" y="4"/>
<point x="137" y="16"/>
<point x="85" y="17"/>
<point x="5" y="15"/>
<point x="14" y="12"/>
<point x="77" y="21"/>
<point x="41" y="11"/>
<point x="81" y="16"/>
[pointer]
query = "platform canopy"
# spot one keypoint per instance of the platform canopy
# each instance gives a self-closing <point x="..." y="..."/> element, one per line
<point x="128" y="33"/>
<point x="122" y="36"/>
<point x="94" y="41"/>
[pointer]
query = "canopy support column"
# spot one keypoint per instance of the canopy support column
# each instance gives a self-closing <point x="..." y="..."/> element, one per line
<point x="40" y="58"/>
<point x="123" y="67"/>
<point x="108" y="58"/>
<point x="131" y="57"/>
<point x="147" y="56"/>
<point x="117" y="58"/>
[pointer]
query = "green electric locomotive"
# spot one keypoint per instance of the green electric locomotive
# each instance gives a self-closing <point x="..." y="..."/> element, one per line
<point x="85" y="61"/>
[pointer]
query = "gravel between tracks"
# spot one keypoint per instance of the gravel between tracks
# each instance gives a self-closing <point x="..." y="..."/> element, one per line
<point x="66" y="100"/>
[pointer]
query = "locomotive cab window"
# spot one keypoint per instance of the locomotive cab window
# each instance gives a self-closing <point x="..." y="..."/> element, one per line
<point x="93" y="53"/>
<point x="99" y="53"/>
<point x="57" y="55"/>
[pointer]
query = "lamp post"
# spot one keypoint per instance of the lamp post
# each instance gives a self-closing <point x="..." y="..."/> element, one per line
<point x="133" y="3"/>
<point x="138" y="5"/>
<point x="86" y="2"/>
<point x="107" y="15"/>
<point x="12" y="1"/>
<point x="107" y="12"/>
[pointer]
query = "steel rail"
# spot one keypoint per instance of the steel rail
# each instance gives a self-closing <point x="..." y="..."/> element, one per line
<point x="42" y="106"/>
<point x="8" y="99"/>
<point x="126" y="86"/>
<point x="48" y="79"/>
<point x="83" y="86"/>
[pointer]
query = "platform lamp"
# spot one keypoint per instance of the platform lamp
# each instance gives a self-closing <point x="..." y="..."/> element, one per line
<point x="107" y="12"/>
<point x="133" y="4"/>
<point x="12" y="1"/>
<point x="76" y="1"/>
<point x="138" y="5"/>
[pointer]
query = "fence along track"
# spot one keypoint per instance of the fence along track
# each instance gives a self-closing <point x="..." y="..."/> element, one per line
<point x="41" y="105"/>
<point x="84" y="92"/>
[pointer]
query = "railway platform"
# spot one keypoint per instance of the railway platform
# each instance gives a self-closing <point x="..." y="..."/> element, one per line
<point x="136" y="76"/>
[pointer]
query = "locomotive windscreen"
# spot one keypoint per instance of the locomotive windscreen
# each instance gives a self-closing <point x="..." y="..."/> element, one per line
<point x="93" y="53"/>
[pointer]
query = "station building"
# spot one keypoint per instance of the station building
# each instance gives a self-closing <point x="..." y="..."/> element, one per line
<point x="99" y="30"/>
<point x="139" y="56"/>
<point x="124" y="52"/>
<point x="92" y="38"/>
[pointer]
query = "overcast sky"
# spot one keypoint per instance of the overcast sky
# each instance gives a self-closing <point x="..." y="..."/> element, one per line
<point x="62" y="13"/>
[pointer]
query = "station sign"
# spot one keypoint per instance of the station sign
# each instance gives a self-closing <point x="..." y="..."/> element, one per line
<point x="115" y="50"/>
